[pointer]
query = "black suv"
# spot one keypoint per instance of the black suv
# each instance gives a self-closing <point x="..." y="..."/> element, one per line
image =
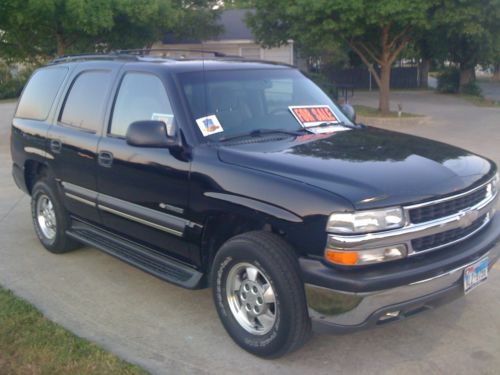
<point x="244" y="176"/>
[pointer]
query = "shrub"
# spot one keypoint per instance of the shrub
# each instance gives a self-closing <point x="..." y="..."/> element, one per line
<point x="322" y="81"/>
<point x="472" y="89"/>
<point x="449" y="81"/>
<point x="12" y="80"/>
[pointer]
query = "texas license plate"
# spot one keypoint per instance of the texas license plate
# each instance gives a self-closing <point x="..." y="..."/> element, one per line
<point x="475" y="274"/>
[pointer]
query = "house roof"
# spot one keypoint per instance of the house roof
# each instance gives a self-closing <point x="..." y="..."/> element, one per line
<point x="233" y="26"/>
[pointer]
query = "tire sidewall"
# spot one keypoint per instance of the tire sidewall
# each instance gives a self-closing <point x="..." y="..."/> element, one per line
<point x="272" y="341"/>
<point x="41" y="188"/>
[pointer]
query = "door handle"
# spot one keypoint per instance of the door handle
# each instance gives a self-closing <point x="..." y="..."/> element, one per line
<point x="55" y="146"/>
<point x="105" y="159"/>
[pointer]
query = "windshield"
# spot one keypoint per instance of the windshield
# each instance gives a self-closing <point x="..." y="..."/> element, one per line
<point x="233" y="102"/>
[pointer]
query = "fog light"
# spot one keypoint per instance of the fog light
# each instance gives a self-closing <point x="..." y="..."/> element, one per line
<point x="362" y="257"/>
<point x="389" y="315"/>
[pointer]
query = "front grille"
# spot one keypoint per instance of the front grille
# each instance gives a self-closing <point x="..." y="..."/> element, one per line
<point x="447" y="208"/>
<point x="443" y="238"/>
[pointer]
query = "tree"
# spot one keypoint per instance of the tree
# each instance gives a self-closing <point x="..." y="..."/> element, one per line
<point x="377" y="31"/>
<point x="37" y="30"/>
<point x="468" y="34"/>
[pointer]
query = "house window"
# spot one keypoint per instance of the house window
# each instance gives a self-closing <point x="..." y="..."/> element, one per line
<point x="250" y="52"/>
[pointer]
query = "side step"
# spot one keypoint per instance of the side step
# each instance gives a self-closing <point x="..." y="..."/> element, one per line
<point x="149" y="260"/>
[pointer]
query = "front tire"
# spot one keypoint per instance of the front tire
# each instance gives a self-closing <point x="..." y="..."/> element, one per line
<point x="259" y="295"/>
<point x="50" y="218"/>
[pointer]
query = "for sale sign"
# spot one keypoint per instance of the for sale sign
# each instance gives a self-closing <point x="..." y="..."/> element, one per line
<point x="313" y="115"/>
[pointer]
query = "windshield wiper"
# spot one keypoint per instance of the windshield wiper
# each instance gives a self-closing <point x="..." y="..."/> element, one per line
<point x="259" y="132"/>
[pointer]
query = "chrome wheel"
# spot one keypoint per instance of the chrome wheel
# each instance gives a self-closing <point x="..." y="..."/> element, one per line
<point x="46" y="217"/>
<point x="251" y="298"/>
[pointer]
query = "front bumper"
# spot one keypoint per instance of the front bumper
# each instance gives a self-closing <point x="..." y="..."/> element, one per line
<point x="347" y="300"/>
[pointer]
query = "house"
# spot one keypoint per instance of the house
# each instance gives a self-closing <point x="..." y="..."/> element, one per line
<point x="235" y="39"/>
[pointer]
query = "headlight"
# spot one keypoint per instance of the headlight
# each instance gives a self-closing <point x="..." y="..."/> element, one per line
<point x="366" y="221"/>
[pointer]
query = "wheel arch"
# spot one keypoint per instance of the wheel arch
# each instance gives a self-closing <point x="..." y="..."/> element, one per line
<point x="33" y="170"/>
<point x="219" y="227"/>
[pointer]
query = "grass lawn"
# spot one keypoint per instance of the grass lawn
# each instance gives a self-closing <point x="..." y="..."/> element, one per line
<point x="479" y="101"/>
<point x="31" y="344"/>
<point x="8" y="100"/>
<point x="363" y="110"/>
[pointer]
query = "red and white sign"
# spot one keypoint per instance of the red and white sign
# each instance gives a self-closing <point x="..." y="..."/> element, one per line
<point x="313" y="115"/>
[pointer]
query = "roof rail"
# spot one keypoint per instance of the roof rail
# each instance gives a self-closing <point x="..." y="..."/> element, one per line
<point x="93" y="56"/>
<point x="142" y="52"/>
<point x="131" y="55"/>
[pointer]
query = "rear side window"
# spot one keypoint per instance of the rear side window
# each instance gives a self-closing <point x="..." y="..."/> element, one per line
<point x="40" y="92"/>
<point x="85" y="103"/>
<point x="141" y="97"/>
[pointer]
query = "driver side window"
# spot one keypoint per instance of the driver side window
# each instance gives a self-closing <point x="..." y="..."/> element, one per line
<point x="141" y="96"/>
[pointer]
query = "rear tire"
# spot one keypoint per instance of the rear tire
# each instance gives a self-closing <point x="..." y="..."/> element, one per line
<point x="50" y="218"/>
<point x="259" y="295"/>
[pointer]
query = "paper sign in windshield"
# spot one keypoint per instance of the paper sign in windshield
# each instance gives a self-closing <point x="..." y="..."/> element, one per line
<point x="313" y="115"/>
<point x="209" y="125"/>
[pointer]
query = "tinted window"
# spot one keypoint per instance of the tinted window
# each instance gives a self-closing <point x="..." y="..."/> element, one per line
<point x="85" y="102"/>
<point x="141" y="97"/>
<point x="40" y="93"/>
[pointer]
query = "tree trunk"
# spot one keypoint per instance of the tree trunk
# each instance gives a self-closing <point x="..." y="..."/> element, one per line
<point x="425" y="66"/>
<point x="61" y="46"/>
<point x="390" y="51"/>
<point x="467" y="75"/>
<point x="384" y="88"/>
<point x="496" y="73"/>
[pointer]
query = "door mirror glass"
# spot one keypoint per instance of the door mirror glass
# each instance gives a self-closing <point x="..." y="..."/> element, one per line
<point x="149" y="133"/>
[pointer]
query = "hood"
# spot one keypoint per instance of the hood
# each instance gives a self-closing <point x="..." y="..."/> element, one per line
<point x="370" y="167"/>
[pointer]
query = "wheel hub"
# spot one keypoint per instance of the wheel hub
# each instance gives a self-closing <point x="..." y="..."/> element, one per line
<point x="252" y="298"/>
<point x="46" y="217"/>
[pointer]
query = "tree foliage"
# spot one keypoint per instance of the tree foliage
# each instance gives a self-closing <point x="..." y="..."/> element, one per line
<point x="468" y="33"/>
<point x="38" y="29"/>
<point x="377" y="31"/>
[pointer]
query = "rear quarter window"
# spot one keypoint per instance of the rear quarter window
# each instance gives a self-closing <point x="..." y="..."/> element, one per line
<point x="40" y="92"/>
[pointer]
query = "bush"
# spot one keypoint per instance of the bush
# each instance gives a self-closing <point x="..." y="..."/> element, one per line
<point x="322" y="81"/>
<point x="12" y="80"/>
<point x="449" y="81"/>
<point x="472" y="89"/>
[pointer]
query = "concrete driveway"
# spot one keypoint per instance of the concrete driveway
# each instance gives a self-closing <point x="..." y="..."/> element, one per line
<point x="168" y="330"/>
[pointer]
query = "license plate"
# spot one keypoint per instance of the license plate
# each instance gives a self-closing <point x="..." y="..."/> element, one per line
<point x="475" y="274"/>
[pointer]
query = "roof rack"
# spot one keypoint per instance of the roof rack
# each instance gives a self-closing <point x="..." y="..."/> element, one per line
<point x="142" y="52"/>
<point x="131" y="55"/>
<point x="93" y="56"/>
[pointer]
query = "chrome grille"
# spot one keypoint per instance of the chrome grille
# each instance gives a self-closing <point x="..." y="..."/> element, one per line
<point x="447" y="221"/>
<point x="446" y="238"/>
<point x="447" y="208"/>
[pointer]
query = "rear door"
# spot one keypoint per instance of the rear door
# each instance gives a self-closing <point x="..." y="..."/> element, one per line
<point x="143" y="192"/>
<point x="74" y="137"/>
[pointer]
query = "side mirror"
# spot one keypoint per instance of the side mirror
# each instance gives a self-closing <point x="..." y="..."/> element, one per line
<point x="150" y="133"/>
<point x="349" y="111"/>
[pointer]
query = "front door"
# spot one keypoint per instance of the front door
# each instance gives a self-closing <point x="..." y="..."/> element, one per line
<point x="143" y="192"/>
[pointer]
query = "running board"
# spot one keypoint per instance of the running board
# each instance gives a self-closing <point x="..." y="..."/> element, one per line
<point x="147" y="259"/>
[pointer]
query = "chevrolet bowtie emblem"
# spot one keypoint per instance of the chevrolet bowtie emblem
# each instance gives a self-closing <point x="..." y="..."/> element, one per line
<point x="467" y="218"/>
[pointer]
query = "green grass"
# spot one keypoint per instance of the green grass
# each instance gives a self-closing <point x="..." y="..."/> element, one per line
<point x="31" y="344"/>
<point x="12" y="100"/>
<point x="363" y="110"/>
<point x="479" y="101"/>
